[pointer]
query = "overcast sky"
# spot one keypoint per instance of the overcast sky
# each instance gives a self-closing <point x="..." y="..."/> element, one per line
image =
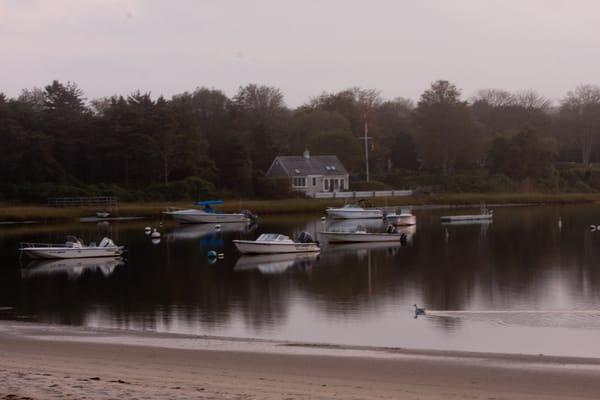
<point x="302" y="47"/>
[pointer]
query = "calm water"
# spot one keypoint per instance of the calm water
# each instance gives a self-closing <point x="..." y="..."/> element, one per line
<point x="520" y="284"/>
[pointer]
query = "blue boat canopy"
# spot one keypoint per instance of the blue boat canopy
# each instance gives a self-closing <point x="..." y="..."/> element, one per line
<point x="209" y="202"/>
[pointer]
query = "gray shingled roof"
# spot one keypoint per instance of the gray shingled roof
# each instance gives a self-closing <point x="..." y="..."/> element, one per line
<point x="300" y="166"/>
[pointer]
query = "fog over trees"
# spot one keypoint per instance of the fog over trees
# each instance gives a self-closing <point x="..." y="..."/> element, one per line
<point x="55" y="141"/>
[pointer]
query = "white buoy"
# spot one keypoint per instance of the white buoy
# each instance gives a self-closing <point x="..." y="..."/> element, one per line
<point x="147" y="230"/>
<point x="155" y="234"/>
<point x="221" y="256"/>
<point x="155" y="240"/>
<point x="217" y="227"/>
<point x="323" y="219"/>
<point x="593" y="228"/>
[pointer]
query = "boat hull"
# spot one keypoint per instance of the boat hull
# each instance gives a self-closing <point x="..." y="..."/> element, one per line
<point x="253" y="247"/>
<point x="67" y="252"/>
<point x="355" y="237"/>
<point x="341" y="213"/>
<point x="200" y="217"/>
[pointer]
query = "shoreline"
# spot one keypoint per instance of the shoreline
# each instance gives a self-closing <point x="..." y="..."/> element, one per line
<point x="52" y="362"/>
<point x="20" y="214"/>
<point x="151" y="339"/>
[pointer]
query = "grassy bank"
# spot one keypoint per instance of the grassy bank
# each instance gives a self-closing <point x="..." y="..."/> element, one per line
<point x="266" y="207"/>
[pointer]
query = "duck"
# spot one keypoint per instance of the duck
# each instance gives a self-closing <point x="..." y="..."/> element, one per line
<point x="419" y="311"/>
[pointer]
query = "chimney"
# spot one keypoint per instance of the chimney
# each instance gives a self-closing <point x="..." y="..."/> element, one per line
<point x="306" y="154"/>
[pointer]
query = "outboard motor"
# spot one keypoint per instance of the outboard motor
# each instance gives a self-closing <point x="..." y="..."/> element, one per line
<point x="403" y="238"/>
<point x="106" y="242"/>
<point x="249" y="214"/>
<point x="305" y="237"/>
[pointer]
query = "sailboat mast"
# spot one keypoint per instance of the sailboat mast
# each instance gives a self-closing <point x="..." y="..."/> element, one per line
<point x="366" y="138"/>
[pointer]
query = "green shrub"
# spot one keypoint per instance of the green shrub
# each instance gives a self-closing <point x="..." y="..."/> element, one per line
<point x="274" y="188"/>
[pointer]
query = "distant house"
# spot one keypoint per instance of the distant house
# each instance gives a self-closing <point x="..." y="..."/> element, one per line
<point x="311" y="174"/>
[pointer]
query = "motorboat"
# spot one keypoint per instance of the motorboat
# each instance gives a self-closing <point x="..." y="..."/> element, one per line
<point x="484" y="215"/>
<point x="72" y="248"/>
<point x="353" y="211"/>
<point x="103" y="214"/>
<point x="362" y="235"/>
<point x="271" y="243"/>
<point x="73" y="268"/>
<point x="405" y="218"/>
<point x="208" y="215"/>
<point x="275" y="263"/>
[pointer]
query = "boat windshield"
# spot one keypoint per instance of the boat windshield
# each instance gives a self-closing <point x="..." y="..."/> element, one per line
<point x="272" y="237"/>
<point x="351" y="206"/>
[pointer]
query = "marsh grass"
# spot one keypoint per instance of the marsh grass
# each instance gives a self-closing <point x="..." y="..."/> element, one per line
<point x="296" y="205"/>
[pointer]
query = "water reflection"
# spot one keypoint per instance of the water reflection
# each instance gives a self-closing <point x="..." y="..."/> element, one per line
<point x="357" y="294"/>
<point x="72" y="268"/>
<point x="350" y="225"/>
<point x="276" y="263"/>
<point x="198" y="231"/>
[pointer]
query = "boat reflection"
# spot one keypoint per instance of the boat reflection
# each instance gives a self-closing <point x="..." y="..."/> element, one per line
<point x="350" y="225"/>
<point x="74" y="268"/>
<point x="409" y="231"/>
<point x="198" y="231"/>
<point x="276" y="263"/>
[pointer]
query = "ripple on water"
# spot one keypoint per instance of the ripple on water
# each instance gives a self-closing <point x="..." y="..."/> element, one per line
<point x="581" y="319"/>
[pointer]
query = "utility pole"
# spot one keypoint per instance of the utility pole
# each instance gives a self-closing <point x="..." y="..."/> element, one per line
<point x="366" y="139"/>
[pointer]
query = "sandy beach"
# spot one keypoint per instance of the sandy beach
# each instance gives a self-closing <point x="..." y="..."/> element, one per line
<point x="55" y="362"/>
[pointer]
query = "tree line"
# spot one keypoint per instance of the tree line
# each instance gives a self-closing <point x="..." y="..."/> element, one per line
<point x="205" y="141"/>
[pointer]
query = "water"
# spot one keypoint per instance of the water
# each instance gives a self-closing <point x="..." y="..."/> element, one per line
<point x="518" y="285"/>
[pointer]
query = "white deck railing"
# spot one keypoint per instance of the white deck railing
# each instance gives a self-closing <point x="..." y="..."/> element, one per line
<point x="363" y="194"/>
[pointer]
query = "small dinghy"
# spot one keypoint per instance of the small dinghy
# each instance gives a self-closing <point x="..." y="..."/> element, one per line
<point x="361" y="235"/>
<point x="103" y="214"/>
<point x="73" y="248"/>
<point x="272" y="243"/>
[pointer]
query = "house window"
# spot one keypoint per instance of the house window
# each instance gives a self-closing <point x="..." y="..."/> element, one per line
<point x="342" y="185"/>
<point x="299" y="182"/>
<point x="314" y="181"/>
<point x="326" y="184"/>
<point x="337" y="184"/>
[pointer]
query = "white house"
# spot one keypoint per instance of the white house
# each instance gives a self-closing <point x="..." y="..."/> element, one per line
<point x="311" y="174"/>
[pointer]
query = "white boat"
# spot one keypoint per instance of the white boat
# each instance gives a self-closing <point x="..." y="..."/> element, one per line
<point x="73" y="268"/>
<point x="405" y="218"/>
<point x="73" y="248"/>
<point x="103" y="214"/>
<point x="484" y="215"/>
<point x="361" y="235"/>
<point x="207" y="215"/>
<point x="353" y="211"/>
<point x="272" y="243"/>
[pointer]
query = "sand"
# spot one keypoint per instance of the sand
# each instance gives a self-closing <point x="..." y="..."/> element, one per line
<point x="53" y="362"/>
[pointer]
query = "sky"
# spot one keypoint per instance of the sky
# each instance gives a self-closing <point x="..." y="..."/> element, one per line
<point x="303" y="47"/>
